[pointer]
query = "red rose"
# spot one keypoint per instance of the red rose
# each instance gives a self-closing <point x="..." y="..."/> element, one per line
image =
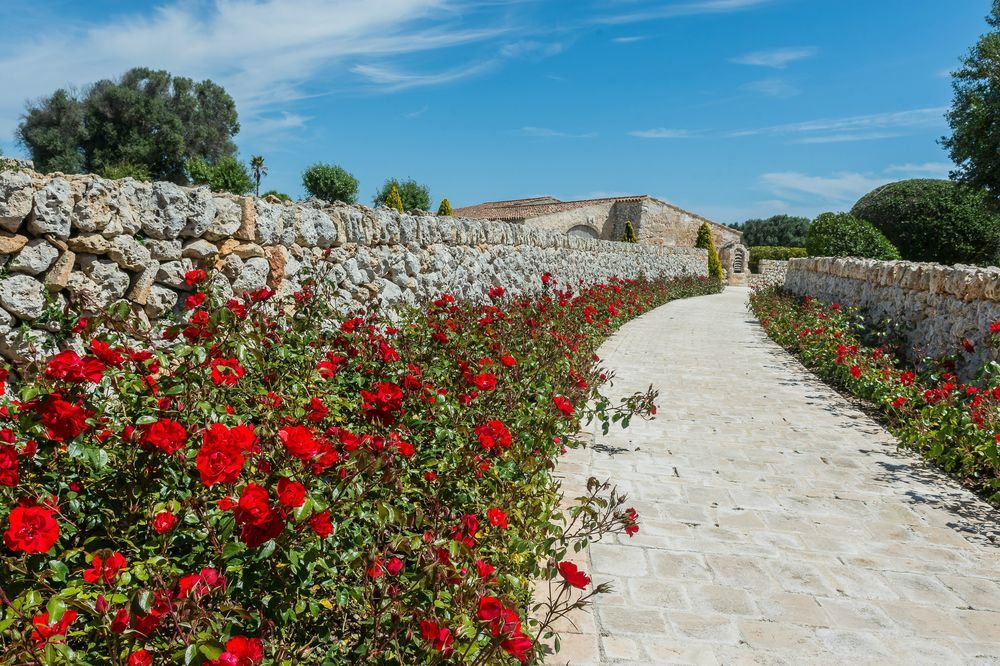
<point x="484" y="570"/>
<point x="493" y="433"/>
<point x="317" y="411"/>
<point x="163" y="522"/>
<point x="139" y="658"/>
<point x="226" y="371"/>
<point x="8" y="465"/>
<point x="394" y="566"/>
<point x="121" y="621"/>
<point x="194" y="300"/>
<point x="508" y="360"/>
<point x="32" y="530"/>
<point x="70" y="367"/>
<point x="291" y="494"/>
<point x="384" y="404"/>
<point x="299" y="441"/>
<point x="563" y="405"/>
<point x="497" y="518"/>
<point x="63" y="420"/>
<point x="195" y="277"/>
<point x="439" y="637"/>
<point x="199" y="584"/>
<point x="258" y="521"/>
<point x="164" y="434"/>
<point x="44" y="631"/>
<point x="490" y="608"/>
<point x="220" y="459"/>
<point x="105" y="570"/>
<point x="328" y="368"/>
<point x="321" y="525"/>
<point x="855" y="372"/>
<point x="517" y="646"/>
<point x="573" y="576"/>
<point x="485" y="381"/>
<point x="106" y="353"/>
<point x="375" y="570"/>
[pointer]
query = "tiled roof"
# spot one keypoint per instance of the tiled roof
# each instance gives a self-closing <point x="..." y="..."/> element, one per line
<point x="524" y="209"/>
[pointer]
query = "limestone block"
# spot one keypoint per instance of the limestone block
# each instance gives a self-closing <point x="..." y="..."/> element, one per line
<point x="142" y="284"/>
<point x="199" y="250"/>
<point x="201" y="212"/>
<point x="163" y="250"/>
<point x="35" y="257"/>
<point x="58" y="276"/>
<point x="22" y="296"/>
<point x="16" y="195"/>
<point x="253" y="276"/>
<point x="12" y="243"/>
<point x="53" y="209"/>
<point x="160" y="301"/>
<point x="228" y="218"/>
<point x="172" y="273"/>
<point x="92" y="210"/>
<point x="129" y="254"/>
<point x="268" y="218"/>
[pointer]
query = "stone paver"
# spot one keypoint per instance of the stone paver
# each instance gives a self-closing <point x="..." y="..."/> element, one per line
<point x="779" y="524"/>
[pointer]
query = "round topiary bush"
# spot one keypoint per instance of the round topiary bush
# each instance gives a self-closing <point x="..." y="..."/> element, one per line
<point x="934" y="220"/>
<point x="844" y="235"/>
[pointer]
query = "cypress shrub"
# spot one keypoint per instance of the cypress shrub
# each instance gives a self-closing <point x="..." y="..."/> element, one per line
<point x="394" y="200"/>
<point x="444" y="210"/>
<point x="843" y="235"/>
<point x="629" y="235"/>
<point x="705" y="242"/>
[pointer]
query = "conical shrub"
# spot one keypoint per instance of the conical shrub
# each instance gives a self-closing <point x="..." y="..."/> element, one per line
<point x="706" y="243"/>
<point x="394" y="200"/>
<point x="629" y="235"/>
<point x="444" y="210"/>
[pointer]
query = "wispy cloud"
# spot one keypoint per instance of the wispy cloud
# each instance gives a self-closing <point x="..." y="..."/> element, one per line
<point x="842" y="189"/>
<point x="773" y="87"/>
<point x="927" y="169"/>
<point x="419" y="112"/>
<point x="662" y="10"/>
<point x="847" y="137"/>
<point x="776" y="58"/>
<point x="629" y="39"/>
<point x="548" y="133"/>
<point x="663" y="133"/>
<point x="853" y="128"/>
<point x="267" y="53"/>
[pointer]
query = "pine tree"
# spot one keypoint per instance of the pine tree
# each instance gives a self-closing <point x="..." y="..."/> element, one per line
<point x="394" y="200"/>
<point x="705" y="242"/>
<point x="444" y="210"/>
<point x="629" y="235"/>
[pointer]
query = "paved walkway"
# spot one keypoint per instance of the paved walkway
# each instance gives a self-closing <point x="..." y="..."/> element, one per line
<point x="779" y="524"/>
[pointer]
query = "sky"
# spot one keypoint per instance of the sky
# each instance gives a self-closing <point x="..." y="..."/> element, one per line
<point x="730" y="108"/>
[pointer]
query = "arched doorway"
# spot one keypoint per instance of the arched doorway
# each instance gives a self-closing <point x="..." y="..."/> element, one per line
<point x="583" y="231"/>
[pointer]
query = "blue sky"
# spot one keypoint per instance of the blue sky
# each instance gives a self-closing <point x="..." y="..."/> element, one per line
<point x="730" y="108"/>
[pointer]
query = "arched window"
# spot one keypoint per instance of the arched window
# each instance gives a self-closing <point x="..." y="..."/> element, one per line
<point x="583" y="231"/>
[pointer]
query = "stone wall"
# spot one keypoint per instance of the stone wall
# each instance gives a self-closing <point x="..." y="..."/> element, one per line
<point x="665" y="224"/>
<point x="938" y="305"/>
<point x="94" y="242"/>
<point x="769" y="272"/>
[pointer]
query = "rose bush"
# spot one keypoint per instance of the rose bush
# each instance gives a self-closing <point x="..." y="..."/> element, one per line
<point x="954" y="424"/>
<point x="256" y="483"/>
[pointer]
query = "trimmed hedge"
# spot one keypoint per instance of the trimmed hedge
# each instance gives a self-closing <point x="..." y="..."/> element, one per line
<point x="935" y="220"/>
<point x="843" y="235"/>
<point x="776" y="253"/>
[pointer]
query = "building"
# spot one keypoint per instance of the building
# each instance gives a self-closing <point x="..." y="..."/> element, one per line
<point x="655" y="221"/>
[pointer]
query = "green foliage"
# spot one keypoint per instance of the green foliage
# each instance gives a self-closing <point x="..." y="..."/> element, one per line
<point x="974" y="144"/>
<point x="775" y="231"/>
<point x="393" y="200"/>
<point x="928" y="409"/>
<point x="126" y="170"/>
<point x="413" y="195"/>
<point x="444" y="210"/>
<point x="259" y="170"/>
<point x="777" y="253"/>
<point x="226" y="175"/>
<point x="629" y="235"/>
<point x="147" y="118"/>
<point x="276" y="193"/>
<point x="843" y="235"/>
<point x="330" y="182"/>
<point x="935" y="220"/>
<point x="705" y="242"/>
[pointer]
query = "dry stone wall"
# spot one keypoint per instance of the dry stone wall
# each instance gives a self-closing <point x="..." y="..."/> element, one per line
<point x="769" y="272"/>
<point x="938" y="306"/>
<point x="95" y="242"/>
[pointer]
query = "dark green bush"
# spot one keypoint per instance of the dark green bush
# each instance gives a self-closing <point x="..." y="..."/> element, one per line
<point x="935" y="220"/>
<point x="227" y="174"/>
<point x="775" y="231"/>
<point x="126" y="170"/>
<point x="777" y="253"/>
<point x="330" y="183"/>
<point x="843" y="235"/>
<point x="629" y="235"/>
<point x="413" y="195"/>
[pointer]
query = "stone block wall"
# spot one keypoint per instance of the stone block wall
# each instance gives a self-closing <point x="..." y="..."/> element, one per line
<point x="937" y="305"/>
<point x="95" y="242"/>
<point x="769" y="272"/>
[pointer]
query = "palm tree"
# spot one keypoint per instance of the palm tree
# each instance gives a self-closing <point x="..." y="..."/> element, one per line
<point x="258" y="168"/>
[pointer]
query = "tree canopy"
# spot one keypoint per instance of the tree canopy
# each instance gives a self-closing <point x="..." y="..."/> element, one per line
<point x="775" y="231"/>
<point x="330" y="183"/>
<point x="147" y="118"/>
<point x="414" y="195"/>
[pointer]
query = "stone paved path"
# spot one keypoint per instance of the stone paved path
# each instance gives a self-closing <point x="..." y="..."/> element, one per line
<point x="779" y="524"/>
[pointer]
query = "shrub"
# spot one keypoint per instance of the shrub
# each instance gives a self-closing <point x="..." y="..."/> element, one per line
<point x="126" y="170"/>
<point x="955" y="425"/>
<point x="330" y="182"/>
<point x="935" y="220"/>
<point x="629" y="235"/>
<point x="759" y="252"/>
<point x="413" y="195"/>
<point x="843" y="235"/>
<point x="393" y="200"/>
<point x="226" y="174"/>
<point x="255" y="480"/>
<point x="444" y="210"/>
<point x="775" y="231"/>
<point x="705" y="242"/>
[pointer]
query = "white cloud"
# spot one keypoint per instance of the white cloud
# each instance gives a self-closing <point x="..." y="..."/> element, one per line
<point x="390" y="79"/>
<point x="839" y="188"/>
<point x="547" y="133"/>
<point x="630" y="39"/>
<point x="776" y="58"/>
<point x="663" y="133"/>
<point x="266" y="53"/>
<point x="419" y="112"/>
<point x="927" y="169"/>
<point x="847" y="137"/>
<point x="927" y="117"/>
<point x="675" y="9"/>
<point x="773" y="87"/>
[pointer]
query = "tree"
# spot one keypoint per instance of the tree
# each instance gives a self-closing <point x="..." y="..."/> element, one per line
<point x="843" y="235"/>
<point x="414" y="195"/>
<point x="705" y="242"/>
<point x="146" y="118"/>
<point x="974" y="144"/>
<point x="227" y="174"/>
<point x="935" y="220"/>
<point x="629" y="235"/>
<point x="330" y="182"/>
<point x="775" y="231"/>
<point x="258" y="169"/>
<point x="394" y="200"/>
<point x="444" y="210"/>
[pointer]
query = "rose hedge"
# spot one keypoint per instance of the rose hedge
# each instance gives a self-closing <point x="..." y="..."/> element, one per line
<point x="255" y="484"/>
<point x="954" y="424"/>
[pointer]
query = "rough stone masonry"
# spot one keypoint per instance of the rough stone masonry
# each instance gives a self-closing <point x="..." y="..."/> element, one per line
<point x="94" y="242"/>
